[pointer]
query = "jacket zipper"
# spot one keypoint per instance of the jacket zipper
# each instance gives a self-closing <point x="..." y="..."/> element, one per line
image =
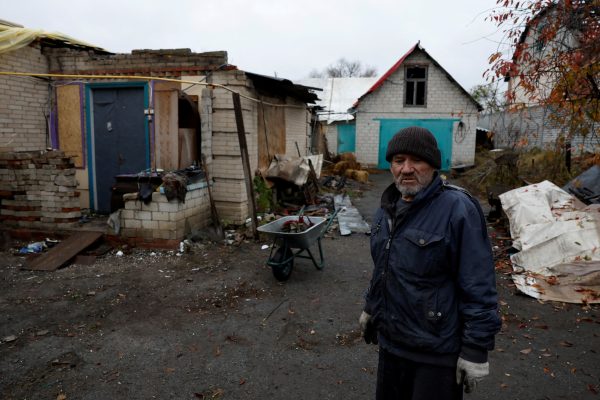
<point x="386" y="264"/>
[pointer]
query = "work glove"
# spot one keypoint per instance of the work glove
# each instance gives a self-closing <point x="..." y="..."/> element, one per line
<point x="367" y="328"/>
<point x="470" y="373"/>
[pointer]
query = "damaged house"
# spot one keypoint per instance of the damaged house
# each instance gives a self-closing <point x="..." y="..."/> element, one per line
<point x="416" y="90"/>
<point x="80" y="127"/>
<point x="540" y="113"/>
<point x="334" y="122"/>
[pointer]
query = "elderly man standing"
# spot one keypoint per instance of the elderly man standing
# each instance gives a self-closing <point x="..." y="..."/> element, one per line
<point x="432" y="301"/>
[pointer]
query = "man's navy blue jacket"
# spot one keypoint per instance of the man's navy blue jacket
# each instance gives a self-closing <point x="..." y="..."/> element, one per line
<point x="433" y="291"/>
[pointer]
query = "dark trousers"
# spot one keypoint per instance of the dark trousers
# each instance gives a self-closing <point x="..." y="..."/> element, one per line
<point x="401" y="379"/>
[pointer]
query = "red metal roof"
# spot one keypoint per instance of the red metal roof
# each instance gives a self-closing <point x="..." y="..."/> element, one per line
<point x="395" y="67"/>
<point x="386" y="75"/>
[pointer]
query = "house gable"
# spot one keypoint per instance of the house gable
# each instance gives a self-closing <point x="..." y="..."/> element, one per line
<point x="411" y="58"/>
<point x="445" y="107"/>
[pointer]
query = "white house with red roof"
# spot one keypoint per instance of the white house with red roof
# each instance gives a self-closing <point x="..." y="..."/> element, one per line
<point x="416" y="90"/>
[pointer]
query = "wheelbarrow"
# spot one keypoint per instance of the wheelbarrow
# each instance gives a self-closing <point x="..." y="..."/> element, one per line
<point x="289" y="245"/>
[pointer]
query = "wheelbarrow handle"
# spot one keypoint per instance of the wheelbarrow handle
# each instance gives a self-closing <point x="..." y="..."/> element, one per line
<point x="330" y="222"/>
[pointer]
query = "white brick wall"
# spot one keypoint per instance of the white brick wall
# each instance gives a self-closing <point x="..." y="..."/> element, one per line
<point x="163" y="219"/>
<point x="331" y="134"/>
<point x="444" y="100"/>
<point x="23" y="101"/>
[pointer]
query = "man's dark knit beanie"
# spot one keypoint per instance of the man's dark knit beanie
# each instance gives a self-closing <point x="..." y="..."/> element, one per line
<point x="417" y="141"/>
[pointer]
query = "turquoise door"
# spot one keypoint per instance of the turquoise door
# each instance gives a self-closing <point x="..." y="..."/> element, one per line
<point x="441" y="129"/>
<point x="346" y="138"/>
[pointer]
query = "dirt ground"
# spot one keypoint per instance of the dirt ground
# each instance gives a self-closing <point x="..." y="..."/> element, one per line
<point x="215" y="324"/>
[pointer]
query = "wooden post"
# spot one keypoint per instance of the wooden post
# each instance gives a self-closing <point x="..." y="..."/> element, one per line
<point x="239" y="120"/>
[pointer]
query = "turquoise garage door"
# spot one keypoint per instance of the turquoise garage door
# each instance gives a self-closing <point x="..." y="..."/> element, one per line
<point x="441" y="129"/>
<point x="346" y="138"/>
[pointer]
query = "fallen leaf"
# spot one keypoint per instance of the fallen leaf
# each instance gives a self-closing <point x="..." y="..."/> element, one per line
<point x="527" y="336"/>
<point x="552" y="280"/>
<point x="573" y="370"/>
<point x="242" y="381"/>
<point x="169" y="370"/>
<point x="525" y="351"/>
<point x="592" y="388"/>
<point x="217" y="351"/>
<point x="10" y="338"/>
<point x="61" y="396"/>
<point x="565" y="343"/>
<point x="587" y="319"/>
<point x="541" y="326"/>
<point x="503" y="385"/>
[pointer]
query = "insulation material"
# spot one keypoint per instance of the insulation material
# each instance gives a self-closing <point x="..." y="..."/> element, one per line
<point x="13" y="38"/>
<point x="294" y="170"/>
<point x="559" y="239"/>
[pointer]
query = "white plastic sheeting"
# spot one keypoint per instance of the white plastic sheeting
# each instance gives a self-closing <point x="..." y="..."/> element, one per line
<point x="339" y="94"/>
<point x="294" y="170"/>
<point x="559" y="242"/>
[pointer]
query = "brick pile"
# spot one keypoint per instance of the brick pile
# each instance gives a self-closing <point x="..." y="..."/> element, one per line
<point x="38" y="190"/>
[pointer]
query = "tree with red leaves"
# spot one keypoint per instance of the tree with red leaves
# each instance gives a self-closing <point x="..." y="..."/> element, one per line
<point x="553" y="60"/>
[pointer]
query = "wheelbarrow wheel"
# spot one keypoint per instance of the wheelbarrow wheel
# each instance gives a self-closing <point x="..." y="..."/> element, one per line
<point x="283" y="271"/>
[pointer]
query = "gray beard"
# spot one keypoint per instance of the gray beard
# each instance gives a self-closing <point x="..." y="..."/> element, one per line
<point x="413" y="190"/>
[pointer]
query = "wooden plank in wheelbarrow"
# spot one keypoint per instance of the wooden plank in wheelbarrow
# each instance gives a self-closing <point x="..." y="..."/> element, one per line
<point x="63" y="252"/>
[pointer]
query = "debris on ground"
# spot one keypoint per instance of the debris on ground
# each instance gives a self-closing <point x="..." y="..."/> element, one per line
<point x="63" y="252"/>
<point x="349" y="217"/>
<point x="558" y="243"/>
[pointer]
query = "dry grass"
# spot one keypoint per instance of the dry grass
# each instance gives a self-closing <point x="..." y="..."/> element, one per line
<point x="512" y="170"/>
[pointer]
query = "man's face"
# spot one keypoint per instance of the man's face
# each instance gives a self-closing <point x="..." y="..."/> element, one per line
<point x="411" y="174"/>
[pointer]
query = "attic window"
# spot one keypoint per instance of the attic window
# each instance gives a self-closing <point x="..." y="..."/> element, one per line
<point x="416" y="86"/>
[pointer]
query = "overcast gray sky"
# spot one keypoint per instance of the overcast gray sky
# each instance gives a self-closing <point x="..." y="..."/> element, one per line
<point x="282" y="37"/>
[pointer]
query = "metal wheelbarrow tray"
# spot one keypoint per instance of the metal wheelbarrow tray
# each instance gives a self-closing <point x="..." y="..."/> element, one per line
<point x="281" y="257"/>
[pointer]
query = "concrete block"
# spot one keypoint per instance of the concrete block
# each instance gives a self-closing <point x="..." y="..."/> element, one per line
<point x="144" y="215"/>
<point x="171" y="206"/>
<point x="160" y="216"/>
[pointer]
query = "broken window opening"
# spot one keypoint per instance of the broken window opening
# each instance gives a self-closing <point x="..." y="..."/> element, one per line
<point x="415" y="86"/>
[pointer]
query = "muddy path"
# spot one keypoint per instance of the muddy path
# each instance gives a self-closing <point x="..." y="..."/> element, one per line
<point x="215" y="324"/>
